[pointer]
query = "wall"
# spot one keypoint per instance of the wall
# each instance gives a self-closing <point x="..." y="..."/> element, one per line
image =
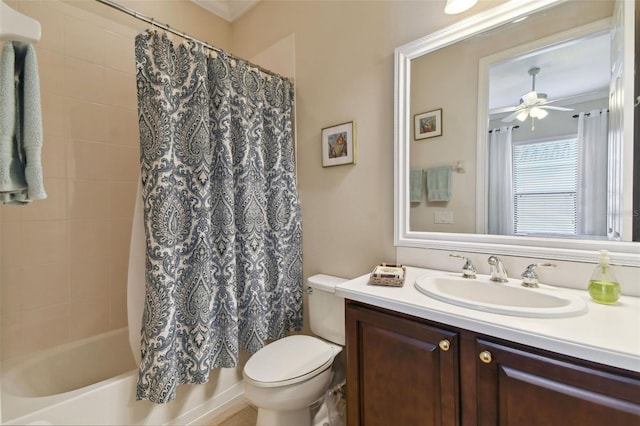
<point x="344" y="71"/>
<point x="64" y="260"/>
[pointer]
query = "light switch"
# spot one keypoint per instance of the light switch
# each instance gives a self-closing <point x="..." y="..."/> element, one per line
<point x="444" y="216"/>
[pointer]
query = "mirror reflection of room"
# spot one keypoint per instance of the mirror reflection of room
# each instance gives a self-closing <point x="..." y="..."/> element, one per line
<point x="549" y="152"/>
<point x="544" y="95"/>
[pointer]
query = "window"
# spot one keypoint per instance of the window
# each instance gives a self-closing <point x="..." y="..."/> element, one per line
<point x="545" y="176"/>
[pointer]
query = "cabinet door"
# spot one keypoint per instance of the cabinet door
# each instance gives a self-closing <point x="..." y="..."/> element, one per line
<point x="399" y="370"/>
<point x="515" y="387"/>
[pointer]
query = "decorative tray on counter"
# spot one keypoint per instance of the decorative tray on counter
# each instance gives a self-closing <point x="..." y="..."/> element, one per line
<point x="388" y="274"/>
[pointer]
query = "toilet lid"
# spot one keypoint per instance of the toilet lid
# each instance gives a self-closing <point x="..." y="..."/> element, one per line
<point x="287" y="359"/>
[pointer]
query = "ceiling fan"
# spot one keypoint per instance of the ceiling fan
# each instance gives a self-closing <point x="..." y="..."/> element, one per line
<point x="532" y="104"/>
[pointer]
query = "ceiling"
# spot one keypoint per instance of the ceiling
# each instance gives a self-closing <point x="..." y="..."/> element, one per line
<point x="575" y="68"/>
<point x="228" y="10"/>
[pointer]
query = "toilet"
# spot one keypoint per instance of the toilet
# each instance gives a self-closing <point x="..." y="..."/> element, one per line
<point x="286" y="377"/>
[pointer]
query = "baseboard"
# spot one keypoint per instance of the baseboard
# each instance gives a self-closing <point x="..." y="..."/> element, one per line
<point x="215" y="406"/>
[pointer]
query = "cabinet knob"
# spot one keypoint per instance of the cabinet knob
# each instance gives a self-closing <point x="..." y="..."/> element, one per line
<point x="485" y="356"/>
<point x="444" y="344"/>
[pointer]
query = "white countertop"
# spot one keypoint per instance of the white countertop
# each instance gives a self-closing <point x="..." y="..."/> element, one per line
<point x="606" y="334"/>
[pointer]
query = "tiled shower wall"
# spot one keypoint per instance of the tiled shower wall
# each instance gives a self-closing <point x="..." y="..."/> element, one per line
<point x="65" y="259"/>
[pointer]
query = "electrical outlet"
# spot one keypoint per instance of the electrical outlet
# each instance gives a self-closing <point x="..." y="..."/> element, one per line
<point x="445" y="216"/>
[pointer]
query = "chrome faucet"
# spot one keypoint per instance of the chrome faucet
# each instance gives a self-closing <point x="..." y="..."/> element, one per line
<point x="497" y="270"/>
<point x="530" y="278"/>
<point x="468" y="270"/>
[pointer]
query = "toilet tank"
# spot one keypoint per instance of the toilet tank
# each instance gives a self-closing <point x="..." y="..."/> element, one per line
<point x="326" y="310"/>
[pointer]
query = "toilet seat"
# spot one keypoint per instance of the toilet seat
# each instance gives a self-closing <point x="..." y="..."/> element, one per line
<point x="288" y="361"/>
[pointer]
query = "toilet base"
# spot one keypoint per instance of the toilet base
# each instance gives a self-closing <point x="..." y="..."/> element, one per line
<point x="268" y="417"/>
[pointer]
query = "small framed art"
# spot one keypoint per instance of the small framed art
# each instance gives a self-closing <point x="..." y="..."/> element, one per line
<point x="428" y="124"/>
<point x="339" y="144"/>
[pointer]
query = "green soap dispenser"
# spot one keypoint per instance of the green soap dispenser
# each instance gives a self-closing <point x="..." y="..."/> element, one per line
<point x="603" y="285"/>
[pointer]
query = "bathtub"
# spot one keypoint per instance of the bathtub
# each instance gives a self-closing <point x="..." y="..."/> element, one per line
<point x="93" y="382"/>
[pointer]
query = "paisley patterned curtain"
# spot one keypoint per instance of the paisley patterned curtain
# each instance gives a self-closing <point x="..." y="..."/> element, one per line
<point x="222" y="219"/>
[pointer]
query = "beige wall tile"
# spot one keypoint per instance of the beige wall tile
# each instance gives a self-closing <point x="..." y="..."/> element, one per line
<point x="123" y="163"/>
<point x="44" y="285"/>
<point x="119" y="52"/>
<point x="118" y="309"/>
<point x="44" y="242"/>
<point x="89" y="238"/>
<point x="89" y="316"/>
<point x="54" y="157"/>
<point x="87" y="160"/>
<point x="87" y="199"/>
<point x="119" y="271"/>
<point x="10" y="213"/>
<point x="51" y="71"/>
<point x="55" y="109"/>
<point x="122" y="199"/>
<point x="84" y="80"/>
<point x="87" y="121"/>
<point x="13" y="341"/>
<point x="83" y="40"/>
<point x="45" y="328"/>
<point x="122" y="127"/>
<point x="90" y="278"/>
<point x="12" y="242"/>
<point x="12" y="279"/>
<point x="54" y="207"/>
<point x="122" y="89"/>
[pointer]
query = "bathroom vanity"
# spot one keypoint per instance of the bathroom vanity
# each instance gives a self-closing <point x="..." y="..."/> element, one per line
<point x="413" y="359"/>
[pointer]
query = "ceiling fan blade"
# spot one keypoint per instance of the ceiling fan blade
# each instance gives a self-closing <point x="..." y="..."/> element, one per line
<point x="557" y="108"/>
<point x="530" y="98"/>
<point x="509" y="118"/>
<point x="505" y="109"/>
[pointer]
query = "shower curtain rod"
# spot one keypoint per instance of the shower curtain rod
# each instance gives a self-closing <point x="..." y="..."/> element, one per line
<point x="184" y="35"/>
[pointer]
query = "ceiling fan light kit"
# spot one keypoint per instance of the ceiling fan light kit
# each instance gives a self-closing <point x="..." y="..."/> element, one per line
<point x="538" y="113"/>
<point x="532" y="104"/>
<point x="458" y="6"/>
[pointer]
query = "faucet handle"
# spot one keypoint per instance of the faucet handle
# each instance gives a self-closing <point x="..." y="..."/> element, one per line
<point x="468" y="270"/>
<point x="529" y="276"/>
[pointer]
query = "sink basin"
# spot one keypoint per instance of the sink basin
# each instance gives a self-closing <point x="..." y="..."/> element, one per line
<point x="502" y="298"/>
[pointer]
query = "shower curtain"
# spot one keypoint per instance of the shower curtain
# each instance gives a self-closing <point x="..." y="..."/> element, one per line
<point x="222" y="218"/>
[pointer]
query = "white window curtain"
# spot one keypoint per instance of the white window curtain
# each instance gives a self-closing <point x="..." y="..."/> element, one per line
<point x="593" y="168"/>
<point x="501" y="182"/>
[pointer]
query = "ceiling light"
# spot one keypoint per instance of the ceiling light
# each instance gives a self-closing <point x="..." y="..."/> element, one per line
<point x="458" y="6"/>
<point x="538" y="113"/>
<point x="522" y="115"/>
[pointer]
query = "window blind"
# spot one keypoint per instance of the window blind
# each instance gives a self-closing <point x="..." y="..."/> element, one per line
<point x="545" y="176"/>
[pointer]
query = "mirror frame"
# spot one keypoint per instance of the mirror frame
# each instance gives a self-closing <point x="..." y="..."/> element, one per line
<point x="623" y="252"/>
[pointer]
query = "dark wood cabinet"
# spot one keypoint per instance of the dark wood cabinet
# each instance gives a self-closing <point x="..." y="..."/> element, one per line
<point x="399" y="371"/>
<point x="403" y="370"/>
<point x="519" y="387"/>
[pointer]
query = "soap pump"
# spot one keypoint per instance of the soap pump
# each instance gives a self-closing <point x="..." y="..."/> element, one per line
<point x="603" y="285"/>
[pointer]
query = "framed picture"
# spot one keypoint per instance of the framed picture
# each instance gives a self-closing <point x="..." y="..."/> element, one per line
<point x="339" y="144"/>
<point x="428" y="124"/>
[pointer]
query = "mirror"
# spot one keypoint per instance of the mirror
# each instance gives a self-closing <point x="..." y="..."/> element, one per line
<point x="446" y="76"/>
